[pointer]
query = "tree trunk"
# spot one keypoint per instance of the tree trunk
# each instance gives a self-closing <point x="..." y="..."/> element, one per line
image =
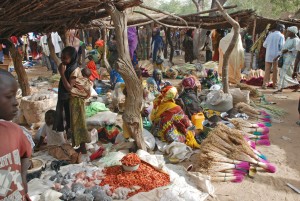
<point x="169" y="39"/>
<point x="82" y="37"/>
<point x="52" y="51"/>
<point x="236" y="29"/>
<point x="20" y="70"/>
<point x="149" y="35"/>
<point x="133" y="103"/>
<point x="166" y="44"/>
<point x="106" y="63"/>
<point x="214" y="5"/>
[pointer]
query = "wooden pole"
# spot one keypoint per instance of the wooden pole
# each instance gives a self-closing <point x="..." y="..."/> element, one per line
<point x="253" y="38"/>
<point x="20" y="70"/>
<point x="236" y="29"/>
<point x="149" y="35"/>
<point x="106" y="63"/>
<point x="132" y="116"/>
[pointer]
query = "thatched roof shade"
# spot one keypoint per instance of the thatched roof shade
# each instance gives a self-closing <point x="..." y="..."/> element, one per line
<point x="244" y="17"/>
<point x="23" y="16"/>
<point x="218" y="22"/>
<point x="262" y="22"/>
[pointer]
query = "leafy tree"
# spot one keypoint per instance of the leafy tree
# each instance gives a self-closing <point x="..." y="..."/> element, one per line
<point x="267" y="8"/>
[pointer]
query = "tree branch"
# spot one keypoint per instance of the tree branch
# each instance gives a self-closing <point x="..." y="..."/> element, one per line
<point x="164" y="12"/>
<point x="236" y="29"/>
<point x="158" y="22"/>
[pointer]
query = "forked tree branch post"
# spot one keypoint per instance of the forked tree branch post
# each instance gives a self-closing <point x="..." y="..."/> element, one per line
<point x="133" y="103"/>
<point x="20" y="70"/>
<point x="236" y="29"/>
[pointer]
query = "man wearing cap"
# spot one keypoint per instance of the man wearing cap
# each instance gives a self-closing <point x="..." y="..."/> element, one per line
<point x="273" y="44"/>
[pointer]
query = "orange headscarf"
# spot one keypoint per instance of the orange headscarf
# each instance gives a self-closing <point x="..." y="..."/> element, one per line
<point x="92" y="66"/>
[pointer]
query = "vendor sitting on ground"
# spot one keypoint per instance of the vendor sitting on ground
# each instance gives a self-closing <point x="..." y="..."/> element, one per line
<point x="169" y="121"/>
<point x="93" y="68"/>
<point x="188" y="99"/>
<point x="156" y="79"/>
<point x="56" y="143"/>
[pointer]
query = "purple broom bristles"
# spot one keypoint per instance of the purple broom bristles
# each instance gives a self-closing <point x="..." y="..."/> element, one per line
<point x="264" y="142"/>
<point x="238" y="178"/>
<point x="271" y="168"/>
<point x="243" y="166"/>
<point x="266" y="120"/>
<point x="240" y="172"/>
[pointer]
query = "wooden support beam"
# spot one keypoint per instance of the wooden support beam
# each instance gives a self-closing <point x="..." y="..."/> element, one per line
<point x="19" y="68"/>
<point x="236" y="28"/>
<point x="253" y="39"/>
<point x="209" y="11"/>
<point x="132" y="116"/>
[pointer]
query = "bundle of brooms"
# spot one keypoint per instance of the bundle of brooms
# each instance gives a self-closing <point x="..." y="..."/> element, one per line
<point x="227" y="156"/>
<point x="254" y="93"/>
<point x="254" y="133"/>
<point x="254" y="114"/>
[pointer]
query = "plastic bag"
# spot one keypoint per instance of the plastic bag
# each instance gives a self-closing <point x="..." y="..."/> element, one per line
<point x="219" y="101"/>
<point x="102" y="118"/>
<point x="149" y="139"/>
<point x="240" y="96"/>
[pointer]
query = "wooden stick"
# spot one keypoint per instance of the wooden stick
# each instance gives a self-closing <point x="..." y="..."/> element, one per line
<point x="158" y="22"/>
<point x="164" y="12"/>
<point x="236" y="28"/>
<point x="208" y="11"/>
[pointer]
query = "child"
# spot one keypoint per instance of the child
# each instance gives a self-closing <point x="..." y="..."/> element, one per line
<point x="56" y="143"/>
<point x="15" y="149"/>
<point x="93" y="68"/>
<point x="82" y="86"/>
<point x="72" y="105"/>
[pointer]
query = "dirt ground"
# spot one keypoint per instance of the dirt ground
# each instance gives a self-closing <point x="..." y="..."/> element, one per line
<point x="284" y="153"/>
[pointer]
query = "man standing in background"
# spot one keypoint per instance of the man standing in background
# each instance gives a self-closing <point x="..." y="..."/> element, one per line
<point x="273" y="45"/>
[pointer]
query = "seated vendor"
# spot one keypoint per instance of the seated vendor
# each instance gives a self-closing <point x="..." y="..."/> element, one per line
<point x="157" y="79"/>
<point x="115" y="78"/>
<point x="93" y="68"/>
<point x="188" y="99"/>
<point x="56" y="143"/>
<point x="169" y="121"/>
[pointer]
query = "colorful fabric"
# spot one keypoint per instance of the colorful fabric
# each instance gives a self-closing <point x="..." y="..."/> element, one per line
<point x="78" y="124"/>
<point x="168" y="93"/>
<point x="92" y="66"/>
<point x="14" y="147"/>
<point x="99" y="43"/>
<point x="132" y="40"/>
<point x="115" y="77"/>
<point x="94" y="108"/>
<point x="191" y="103"/>
<point x="169" y="121"/>
<point x="109" y="132"/>
<point x="188" y="83"/>
<point x="211" y="79"/>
